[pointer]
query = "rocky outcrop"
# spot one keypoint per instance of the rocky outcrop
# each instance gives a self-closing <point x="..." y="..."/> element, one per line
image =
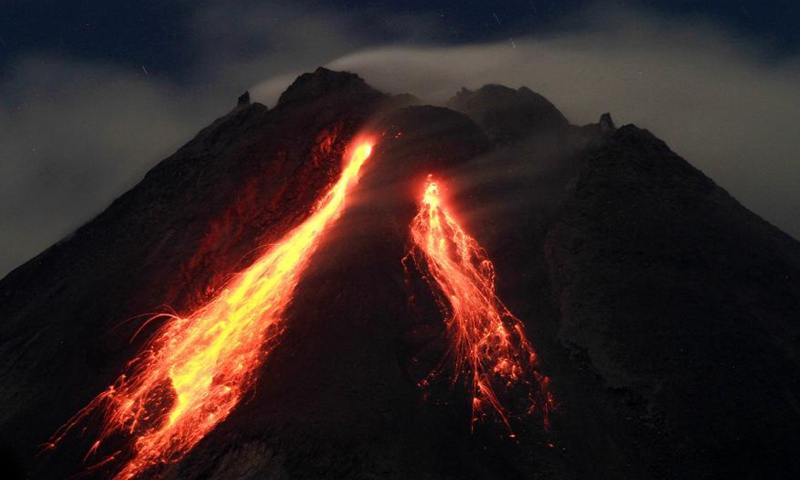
<point x="244" y="100"/>
<point x="329" y="87"/>
<point x="506" y="114"/>
<point x="606" y="123"/>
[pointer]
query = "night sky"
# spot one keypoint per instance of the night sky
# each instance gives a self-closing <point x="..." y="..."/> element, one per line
<point x="94" y="92"/>
<point x="155" y="33"/>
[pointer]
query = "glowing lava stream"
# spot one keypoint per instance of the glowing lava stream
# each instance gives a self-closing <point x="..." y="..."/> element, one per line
<point x="196" y="369"/>
<point x="487" y="342"/>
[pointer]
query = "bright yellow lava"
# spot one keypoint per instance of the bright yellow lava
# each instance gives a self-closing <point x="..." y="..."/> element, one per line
<point x="196" y="369"/>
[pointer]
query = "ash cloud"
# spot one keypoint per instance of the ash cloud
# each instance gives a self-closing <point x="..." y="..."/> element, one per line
<point x="75" y="134"/>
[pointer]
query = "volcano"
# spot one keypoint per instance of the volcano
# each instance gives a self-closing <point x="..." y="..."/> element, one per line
<point x="358" y="285"/>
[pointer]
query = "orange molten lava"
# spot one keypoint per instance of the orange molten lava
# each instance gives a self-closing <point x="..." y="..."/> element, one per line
<point x="487" y="342"/>
<point x="197" y="368"/>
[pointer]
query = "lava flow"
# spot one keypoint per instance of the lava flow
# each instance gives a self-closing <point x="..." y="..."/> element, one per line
<point x="486" y="341"/>
<point x="196" y="368"/>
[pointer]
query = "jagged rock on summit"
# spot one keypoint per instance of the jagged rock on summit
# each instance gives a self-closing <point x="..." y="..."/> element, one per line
<point x="507" y="114"/>
<point x="244" y="99"/>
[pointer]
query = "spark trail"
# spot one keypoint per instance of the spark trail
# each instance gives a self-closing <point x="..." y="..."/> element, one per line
<point x="487" y="343"/>
<point x="196" y="369"/>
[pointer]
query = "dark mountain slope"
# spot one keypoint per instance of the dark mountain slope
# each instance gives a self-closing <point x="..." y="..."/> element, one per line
<point x="335" y="397"/>
<point x="686" y="305"/>
<point x="197" y="217"/>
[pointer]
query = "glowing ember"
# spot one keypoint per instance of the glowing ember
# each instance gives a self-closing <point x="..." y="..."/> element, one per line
<point x="486" y="341"/>
<point x="196" y="369"/>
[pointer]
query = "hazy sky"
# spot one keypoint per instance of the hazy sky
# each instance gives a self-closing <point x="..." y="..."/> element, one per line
<point x="94" y="93"/>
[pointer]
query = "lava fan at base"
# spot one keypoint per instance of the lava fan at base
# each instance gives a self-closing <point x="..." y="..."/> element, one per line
<point x="486" y="342"/>
<point x="196" y="368"/>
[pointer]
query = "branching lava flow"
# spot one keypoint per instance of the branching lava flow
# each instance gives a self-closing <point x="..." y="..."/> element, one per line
<point x="486" y="341"/>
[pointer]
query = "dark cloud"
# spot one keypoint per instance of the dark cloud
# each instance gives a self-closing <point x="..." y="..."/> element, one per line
<point x="76" y="134"/>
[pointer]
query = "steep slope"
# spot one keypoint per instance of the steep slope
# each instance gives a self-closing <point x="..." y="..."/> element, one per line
<point x="68" y="314"/>
<point x="336" y="401"/>
<point x="686" y="305"/>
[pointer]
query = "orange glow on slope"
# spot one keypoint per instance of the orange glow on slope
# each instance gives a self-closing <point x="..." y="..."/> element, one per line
<point x="486" y="341"/>
<point x="196" y="369"/>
